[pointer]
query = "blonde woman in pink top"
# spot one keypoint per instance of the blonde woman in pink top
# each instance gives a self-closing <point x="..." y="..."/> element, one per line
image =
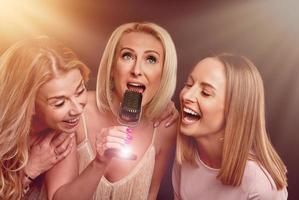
<point x="223" y="151"/>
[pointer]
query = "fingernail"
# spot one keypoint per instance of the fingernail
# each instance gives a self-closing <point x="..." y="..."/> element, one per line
<point x="156" y="124"/>
<point x="129" y="130"/>
<point x="127" y="141"/>
<point x="167" y="124"/>
<point x="129" y="137"/>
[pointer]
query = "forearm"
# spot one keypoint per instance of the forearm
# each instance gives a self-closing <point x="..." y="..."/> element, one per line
<point x="83" y="186"/>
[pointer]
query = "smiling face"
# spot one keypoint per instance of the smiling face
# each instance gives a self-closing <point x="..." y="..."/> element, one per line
<point x="138" y="65"/>
<point x="60" y="102"/>
<point x="203" y="100"/>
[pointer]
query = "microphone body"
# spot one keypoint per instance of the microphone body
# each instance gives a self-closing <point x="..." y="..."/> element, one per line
<point x="130" y="109"/>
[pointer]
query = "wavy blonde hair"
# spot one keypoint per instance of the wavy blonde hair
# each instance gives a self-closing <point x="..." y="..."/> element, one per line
<point x="245" y="135"/>
<point x="24" y="67"/>
<point x="168" y="79"/>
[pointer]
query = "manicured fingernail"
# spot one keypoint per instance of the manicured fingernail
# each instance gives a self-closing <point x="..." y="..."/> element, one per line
<point x="167" y="124"/>
<point x="156" y="124"/>
<point x="129" y="137"/>
<point x="127" y="141"/>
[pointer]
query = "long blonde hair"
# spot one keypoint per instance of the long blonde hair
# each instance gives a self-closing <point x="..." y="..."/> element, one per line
<point x="24" y="67"/>
<point x="168" y="79"/>
<point x="245" y="134"/>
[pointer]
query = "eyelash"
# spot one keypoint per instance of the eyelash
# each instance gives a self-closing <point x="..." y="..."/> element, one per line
<point x="81" y="92"/>
<point x="204" y="93"/>
<point x="59" y="105"/>
<point x="151" y="59"/>
<point x="126" y="55"/>
<point x="187" y="85"/>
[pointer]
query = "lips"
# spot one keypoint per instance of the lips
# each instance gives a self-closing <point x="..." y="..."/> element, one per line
<point x="72" y="122"/>
<point x="136" y="87"/>
<point x="190" y="115"/>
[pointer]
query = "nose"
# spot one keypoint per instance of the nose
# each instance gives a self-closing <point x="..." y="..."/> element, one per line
<point x="76" y="107"/>
<point x="190" y="94"/>
<point x="137" y="68"/>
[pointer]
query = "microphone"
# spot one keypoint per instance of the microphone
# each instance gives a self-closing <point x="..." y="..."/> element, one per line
<point x="130" y="110"/>
<point x="129" y="115"/>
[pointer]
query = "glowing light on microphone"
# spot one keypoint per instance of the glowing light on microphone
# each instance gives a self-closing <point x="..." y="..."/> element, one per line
<point x="125" y="152"/>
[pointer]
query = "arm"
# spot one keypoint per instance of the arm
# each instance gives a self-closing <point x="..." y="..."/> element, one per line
<point x="165" y="143"/>
<point x="44" y="153"/>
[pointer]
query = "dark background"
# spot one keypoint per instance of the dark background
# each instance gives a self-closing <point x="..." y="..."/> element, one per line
<point x="266" y="31"/>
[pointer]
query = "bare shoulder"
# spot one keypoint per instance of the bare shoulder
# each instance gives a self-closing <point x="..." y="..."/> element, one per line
<point x="91" y="103"/>
<point x="166" y="137"/>
<point x="89" y="110"/>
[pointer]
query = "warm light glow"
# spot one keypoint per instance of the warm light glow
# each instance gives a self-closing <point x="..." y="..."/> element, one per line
<point x="126" y="152"/>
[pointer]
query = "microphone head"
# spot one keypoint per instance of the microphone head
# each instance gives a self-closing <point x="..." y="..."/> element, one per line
<point x="130" y="109"/>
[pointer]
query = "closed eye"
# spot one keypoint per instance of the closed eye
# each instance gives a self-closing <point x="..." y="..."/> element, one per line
<point x="188" y="85"/>
<point x="204" y="93"/>
<point x="59" y="104"/>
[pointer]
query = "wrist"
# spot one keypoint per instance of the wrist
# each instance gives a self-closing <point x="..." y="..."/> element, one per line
<point x="31" y="172"/>
<point x="99" y="164"/>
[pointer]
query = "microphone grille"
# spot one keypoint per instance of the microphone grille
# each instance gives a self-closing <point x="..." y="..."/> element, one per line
<point x="131" y="106"/>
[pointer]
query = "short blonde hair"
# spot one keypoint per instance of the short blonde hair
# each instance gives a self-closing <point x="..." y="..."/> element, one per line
<point x="245" y="134"/>
<point x="24" y="67"/>
<point x="168" y="79"/>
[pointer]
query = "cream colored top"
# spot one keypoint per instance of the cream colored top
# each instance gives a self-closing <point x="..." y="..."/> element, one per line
<point x="135" y="186"/>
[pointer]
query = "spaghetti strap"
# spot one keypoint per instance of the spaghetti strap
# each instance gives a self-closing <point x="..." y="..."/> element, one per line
<point x="84" y="127"/>
<point x="154" y="136"/>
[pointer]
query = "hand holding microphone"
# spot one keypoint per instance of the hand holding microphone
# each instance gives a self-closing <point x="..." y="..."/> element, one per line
<point x="114" y="141"/>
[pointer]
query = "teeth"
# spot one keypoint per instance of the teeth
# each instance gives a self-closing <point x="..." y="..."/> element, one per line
<point x="191" y="112"/>
<point x="72" y="120"/>
<point x="136" y="84"/>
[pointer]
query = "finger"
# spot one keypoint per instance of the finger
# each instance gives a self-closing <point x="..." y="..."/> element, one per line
<point x="60" y="138"/>
<point x="62" y="147"/>
<point x="172" y="119"/>
<point x="113" y="139"/>
<point x="117" y="131"/>
<point x="65" y="153"/>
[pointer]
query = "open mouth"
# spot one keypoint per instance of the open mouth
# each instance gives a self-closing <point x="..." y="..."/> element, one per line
<point x="190" y="114"/>
<point x="72" y="122"/>
<point x="136" y="87"/>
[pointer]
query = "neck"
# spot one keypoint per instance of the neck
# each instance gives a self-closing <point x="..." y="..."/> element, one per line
<point x="37" y="127"/>
<point x="210" y="150"/>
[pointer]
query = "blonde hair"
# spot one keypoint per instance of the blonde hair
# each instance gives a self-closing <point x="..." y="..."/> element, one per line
<point x="168" y="79"/>
<point x="245" y="135"/>
<point x="24" y="67"/>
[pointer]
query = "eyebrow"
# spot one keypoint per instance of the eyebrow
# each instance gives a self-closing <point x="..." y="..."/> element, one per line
<point x="147" y="51"/>
<point x="205" y="84"/>
<point x="62" y="96"/>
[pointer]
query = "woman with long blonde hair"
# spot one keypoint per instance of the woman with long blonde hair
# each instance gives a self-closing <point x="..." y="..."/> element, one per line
<point x="223" y="150"/>
<point x="42" y="90"/>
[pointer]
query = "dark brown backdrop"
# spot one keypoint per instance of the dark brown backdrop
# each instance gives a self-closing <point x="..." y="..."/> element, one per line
<point x="266" y="31"/>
